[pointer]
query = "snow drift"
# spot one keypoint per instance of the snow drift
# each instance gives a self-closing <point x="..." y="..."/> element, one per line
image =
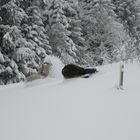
<point x="76" y="109"/>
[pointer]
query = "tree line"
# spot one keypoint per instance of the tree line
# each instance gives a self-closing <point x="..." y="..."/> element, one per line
<point x="83" y="32"/>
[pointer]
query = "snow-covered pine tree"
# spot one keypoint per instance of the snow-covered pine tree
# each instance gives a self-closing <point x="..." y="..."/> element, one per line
<point x="103" y="34"/>
<point x="35" y="38"/>
<point x="126" y="11"/>
<point x="9" y="72"/>
<point x="10" y="38"/>
<point x="11" y="14"/>
<point x="11" y="18"/>
<point x="23" y="44"/>
<point x="129" y="14"/>
<point x="72" y="12"/>
<point x="62" y="44"/>
<point x="37" y="31"/>
<point x="25" y="4"/>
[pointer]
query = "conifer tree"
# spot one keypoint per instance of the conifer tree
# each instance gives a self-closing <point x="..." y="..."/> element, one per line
<point x="129" y="14"/>
<point x="11" y="19"/>
<point x="10" y="42"/>
<point x="23" y="42"/>
<point x="72" y="12"/>
<point x="62" y="44"/>
<point x="35" y="37"/>
<point x="103" y="34"/>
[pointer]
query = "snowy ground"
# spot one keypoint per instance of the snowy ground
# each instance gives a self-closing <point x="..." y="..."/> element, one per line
<point x="76" y="109"/>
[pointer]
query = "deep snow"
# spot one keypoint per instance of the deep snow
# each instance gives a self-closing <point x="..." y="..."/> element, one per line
<point x="76" y="109"/>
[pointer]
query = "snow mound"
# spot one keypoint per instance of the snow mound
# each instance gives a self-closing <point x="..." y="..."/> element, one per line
<point x="56" y="66"/>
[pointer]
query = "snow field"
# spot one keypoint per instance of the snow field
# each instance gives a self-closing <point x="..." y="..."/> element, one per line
<point x="76" y="109"/>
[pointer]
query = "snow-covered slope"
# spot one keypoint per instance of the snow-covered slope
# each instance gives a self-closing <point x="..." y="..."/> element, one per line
<point x="76" y="109"/>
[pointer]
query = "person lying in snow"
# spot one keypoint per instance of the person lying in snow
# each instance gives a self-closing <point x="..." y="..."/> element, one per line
<point x="71" y="71"/>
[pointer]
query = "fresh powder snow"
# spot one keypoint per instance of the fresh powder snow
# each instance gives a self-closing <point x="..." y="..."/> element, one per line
<point x="74" y="109"/>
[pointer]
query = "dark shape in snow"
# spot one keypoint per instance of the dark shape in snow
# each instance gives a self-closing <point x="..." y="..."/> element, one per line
<point x="71" y="71"/>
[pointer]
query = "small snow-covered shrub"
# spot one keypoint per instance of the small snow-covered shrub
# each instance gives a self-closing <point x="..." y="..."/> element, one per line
<point x="56" y="66"/>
